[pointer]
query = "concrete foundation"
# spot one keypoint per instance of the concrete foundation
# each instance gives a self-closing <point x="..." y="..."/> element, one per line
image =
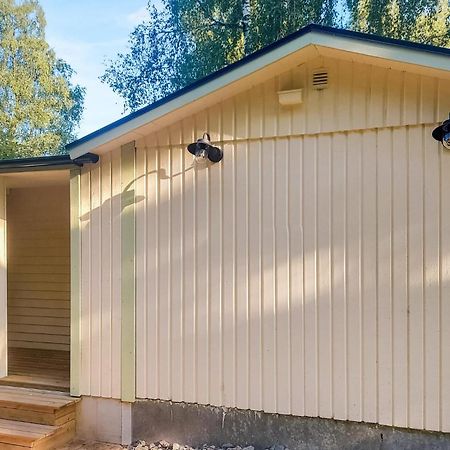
<point x="195" y="424"/>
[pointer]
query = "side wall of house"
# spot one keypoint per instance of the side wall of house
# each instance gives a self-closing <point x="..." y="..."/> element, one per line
<point x="100" y="328"/>
<point x="305" y="274"/>
<point x="38" y="268"/>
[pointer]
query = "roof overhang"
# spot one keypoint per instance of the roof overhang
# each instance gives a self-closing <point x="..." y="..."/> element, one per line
<point x="42" y="163"/>
<point x="307" y="42"/>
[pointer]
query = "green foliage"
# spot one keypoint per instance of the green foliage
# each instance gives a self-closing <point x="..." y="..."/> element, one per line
<point x="425" y="21"/>
<point x="188" y="39"/>
<point x="39" y="106"/>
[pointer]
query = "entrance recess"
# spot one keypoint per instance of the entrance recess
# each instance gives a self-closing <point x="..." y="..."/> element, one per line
<point x="38" y="281"/>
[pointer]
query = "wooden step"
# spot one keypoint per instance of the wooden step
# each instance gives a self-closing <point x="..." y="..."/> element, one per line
<point x="19" y="435"/>
<point x="36" y="382"/>
<point x="36" y="406"/>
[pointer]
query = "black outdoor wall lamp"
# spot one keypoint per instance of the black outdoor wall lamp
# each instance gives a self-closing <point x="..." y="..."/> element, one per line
<point x="442" y="133"/>
<point x="203" y="149"/>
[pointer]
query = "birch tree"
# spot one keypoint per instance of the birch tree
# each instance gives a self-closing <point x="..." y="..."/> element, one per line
<point x="40" y="107"/>
<point x="189" y="39"/>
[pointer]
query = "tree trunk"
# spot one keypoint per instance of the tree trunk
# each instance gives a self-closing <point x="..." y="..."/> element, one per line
<point x="246" y="25"/>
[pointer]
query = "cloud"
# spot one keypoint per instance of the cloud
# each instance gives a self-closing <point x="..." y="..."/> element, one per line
<point x="138" y="16"/>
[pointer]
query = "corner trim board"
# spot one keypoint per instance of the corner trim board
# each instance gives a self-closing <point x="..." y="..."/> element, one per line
<point x="3" y="284"/>
<point x="75" y="282"/>
<point x="128" y="269"/>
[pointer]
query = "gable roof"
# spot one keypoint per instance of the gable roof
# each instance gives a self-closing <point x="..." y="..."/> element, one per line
<point x="316" y="35"/>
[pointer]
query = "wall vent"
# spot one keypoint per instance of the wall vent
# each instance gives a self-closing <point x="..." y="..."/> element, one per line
<point x="320" y="79"/>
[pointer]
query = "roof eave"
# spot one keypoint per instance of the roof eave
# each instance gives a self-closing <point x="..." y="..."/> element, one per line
<point x="375" y="46"/>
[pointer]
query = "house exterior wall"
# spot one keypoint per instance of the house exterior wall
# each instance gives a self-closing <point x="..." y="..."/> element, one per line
<point x="100" y="274"/>
<point x="305" y="274"/>
<point x="38" y="268"/>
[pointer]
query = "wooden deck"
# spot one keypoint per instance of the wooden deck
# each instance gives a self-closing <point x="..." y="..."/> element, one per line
<point x="39" y="369"/>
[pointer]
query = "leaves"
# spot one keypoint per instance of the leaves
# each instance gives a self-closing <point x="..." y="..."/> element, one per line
<point x="189" y="39"/>
<point x="39" y="106"/>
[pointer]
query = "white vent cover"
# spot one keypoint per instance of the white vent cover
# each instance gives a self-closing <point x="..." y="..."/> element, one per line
<point x="320" y="79"/>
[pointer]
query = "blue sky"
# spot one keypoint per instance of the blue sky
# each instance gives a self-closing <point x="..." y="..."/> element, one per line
<point x="85" y="33"/>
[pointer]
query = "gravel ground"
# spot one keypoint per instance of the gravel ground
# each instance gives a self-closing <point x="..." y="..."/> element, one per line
<point x="163" y="445"/>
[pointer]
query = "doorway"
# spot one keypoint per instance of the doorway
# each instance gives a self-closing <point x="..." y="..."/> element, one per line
<point x="38" y="280"/>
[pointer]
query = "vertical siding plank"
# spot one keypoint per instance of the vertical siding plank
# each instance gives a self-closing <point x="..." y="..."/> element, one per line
<point x="152" y="272"/>
<point x="411" y="98"/>
<point x="164" y="270"/>
<point x="432" y="300"/>
<point x="299" y="76"/>
<point x="201" y="282"/>
<point x="339" y="239"/>
<point x="215" y="284"/>
<point x="229" y="273"/>
<point x="377" y="97"/>
<point x="310" y="274"/>
<point x="269" y="325"/>
<point x="324" y="319"/>
<point x="284" y="113"/>
<point x="256" y="112"/>
<point x="399" y="279"/>
<point x="142" y="354"/>
<point x="189" y="326"/>
<point x="270" y="108"/>
<point x="428" y="100"/>
<point x="255" y="275"/>
<point x="368" y="278"/>
<point x="106" y="240"/>
<point x="415" y="279"/>
<point x="176" y="265"/>
<point x="296" y="275"/>
<point x="128" y="271"/>
<point x="384" y="238"/>
<point x="241" y="266"/>
<point x="95" y="274"/>
<point x="282" y="281"/>
<point x="394" y="97"/>
<point x="116" y="377"/>
<point x="343" y="95"/>
<point x="353" y="280"/>
<point x="360" y="91"/>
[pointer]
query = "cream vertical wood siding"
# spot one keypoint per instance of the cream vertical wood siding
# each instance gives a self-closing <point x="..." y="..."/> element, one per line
<point x="39" y="268"/>
<point x="305" y="274"/>
<point x="100" y="330"/>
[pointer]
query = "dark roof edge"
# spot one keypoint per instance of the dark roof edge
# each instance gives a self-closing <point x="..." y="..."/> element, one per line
<point x="303" y="31"/>
<point x="46" y="163"/>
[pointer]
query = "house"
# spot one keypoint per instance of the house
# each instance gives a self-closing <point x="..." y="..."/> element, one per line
<point x="303" y="278"/>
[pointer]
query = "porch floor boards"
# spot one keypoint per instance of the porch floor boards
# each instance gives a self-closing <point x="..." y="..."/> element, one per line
<point x="39" y="369"/>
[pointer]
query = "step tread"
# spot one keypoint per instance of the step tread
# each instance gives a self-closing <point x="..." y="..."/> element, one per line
<point x="34" y="399"/>
<point x="22" y="433"/>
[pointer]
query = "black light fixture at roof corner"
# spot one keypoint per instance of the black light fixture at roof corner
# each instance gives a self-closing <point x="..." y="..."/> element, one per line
<point x="442" y="133"/>
<point x="203" y="149"/>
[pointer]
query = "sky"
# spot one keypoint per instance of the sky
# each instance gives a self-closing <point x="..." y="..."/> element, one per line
<point x="86" y="33"/>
